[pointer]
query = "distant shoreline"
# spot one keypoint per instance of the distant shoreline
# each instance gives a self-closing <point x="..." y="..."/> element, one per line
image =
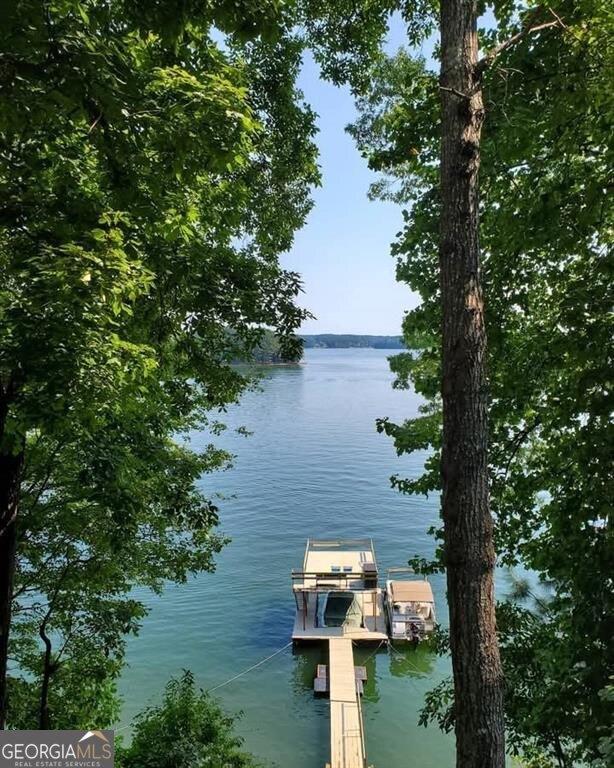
<point x="269" y="350"/>
<point x="351" y="341"/>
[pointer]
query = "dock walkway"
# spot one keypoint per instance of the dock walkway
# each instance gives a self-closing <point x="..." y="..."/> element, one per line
<point x="347" y="742"/>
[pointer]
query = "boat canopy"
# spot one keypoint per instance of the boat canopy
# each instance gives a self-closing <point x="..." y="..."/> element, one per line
<point x="411" y="591"/>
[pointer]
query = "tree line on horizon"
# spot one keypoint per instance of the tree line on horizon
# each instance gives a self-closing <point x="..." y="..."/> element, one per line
<point x="270" y="351"/>
<point x="350" y="341"/>
<point x="156" y="161"/>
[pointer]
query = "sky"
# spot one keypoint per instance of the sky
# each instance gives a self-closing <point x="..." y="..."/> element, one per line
<point x="343" y="251"/>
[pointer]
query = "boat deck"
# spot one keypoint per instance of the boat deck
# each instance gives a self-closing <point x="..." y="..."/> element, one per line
<point x="347" y="743"/>
<point x="374" y="619"/>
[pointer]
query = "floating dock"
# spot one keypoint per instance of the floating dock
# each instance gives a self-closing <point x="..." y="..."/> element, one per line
<point x="338" y="567"/>
<point x="339" y="601"/>
<point x="347" y="738"/>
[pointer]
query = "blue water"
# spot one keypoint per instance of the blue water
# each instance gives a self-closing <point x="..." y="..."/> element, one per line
<point x="314" y="466"/>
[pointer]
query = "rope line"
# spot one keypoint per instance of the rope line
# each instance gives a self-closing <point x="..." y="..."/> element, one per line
<point x="405" y="659"/>
<point x="249" y="669"/>
<point x="355" y="644"/>
<point x="230" y="680"/>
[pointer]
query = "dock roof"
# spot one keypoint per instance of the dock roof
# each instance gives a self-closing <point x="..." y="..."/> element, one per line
<point x="329" y="555"/>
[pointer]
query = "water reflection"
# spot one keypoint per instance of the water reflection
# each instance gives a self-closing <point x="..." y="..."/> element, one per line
<point x="307" y="658"/>
<point x="402" y="660"/>
<point x="407" y="660"/>
<point x="366" y="656"/>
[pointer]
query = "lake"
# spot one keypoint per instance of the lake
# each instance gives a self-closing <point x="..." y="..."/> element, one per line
<point x="314" y="466"/>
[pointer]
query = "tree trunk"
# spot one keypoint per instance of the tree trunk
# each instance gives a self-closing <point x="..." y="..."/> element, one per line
<point x="43" y="715"/>
<point x="468" y="527"/>
<point x="10" y="477"/>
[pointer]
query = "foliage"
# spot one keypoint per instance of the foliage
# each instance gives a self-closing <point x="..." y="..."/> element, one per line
<point x="83" y="694"/>
<point x="143" y="175"/>
<point x="270" y="351"/>
<point x="188" y="728"/>
<point x="101" y="514"/>
<point x="546" y="229"/>
<point x="150" y="174"/>
<point x="346" y="36"/>
<point x="606" y="742"/>
<point x="543" y="691"/>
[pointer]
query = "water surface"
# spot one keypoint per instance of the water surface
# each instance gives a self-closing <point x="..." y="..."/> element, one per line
<point x="313" y="467"/>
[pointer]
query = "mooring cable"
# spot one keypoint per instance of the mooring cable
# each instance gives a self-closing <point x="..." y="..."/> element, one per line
<point x="249" y="669"/>
<point x="230" y="680"/>
<point x="406" y="660"/>
<point x="355" y="644"/>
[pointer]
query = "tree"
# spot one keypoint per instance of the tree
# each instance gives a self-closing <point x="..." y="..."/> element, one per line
<point x="270" y="351"/>
<point x="149" y="181"/>
<point x="101" y="514"/>
<point x="469" y="552"/>
<point x="188" y="728"/>
<point x="352" y="340"/>
<point x="468" y="530"/>
<point x="545" y="224"/>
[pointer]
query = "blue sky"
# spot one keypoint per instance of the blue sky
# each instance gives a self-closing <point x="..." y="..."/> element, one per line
<point x="343" y="252"/>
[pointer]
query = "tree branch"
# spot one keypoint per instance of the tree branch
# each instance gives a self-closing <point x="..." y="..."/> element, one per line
<point x="528" y="28"/>
<point x="454" y="92"/>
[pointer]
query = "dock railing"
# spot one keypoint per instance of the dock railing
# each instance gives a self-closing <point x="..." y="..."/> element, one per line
<point x="358" y="544"/>
<point x="313" y="582"/>
<point x="362" y="732"/>
<point x="328" y="576"/>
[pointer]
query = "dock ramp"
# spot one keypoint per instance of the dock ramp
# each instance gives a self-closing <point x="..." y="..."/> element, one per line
<point x="347" y="740"/>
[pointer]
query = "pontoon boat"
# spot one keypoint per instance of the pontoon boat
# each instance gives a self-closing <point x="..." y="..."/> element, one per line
<point x="410" y="606"/>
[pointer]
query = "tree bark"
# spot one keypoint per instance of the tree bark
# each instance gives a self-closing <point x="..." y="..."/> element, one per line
<point x="468" y="527"/>
<point x="10" y="477"/>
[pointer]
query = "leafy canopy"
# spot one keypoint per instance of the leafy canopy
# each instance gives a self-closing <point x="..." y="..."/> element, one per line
<point x="149" y="179"/>
<point x="155" y="160"/>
